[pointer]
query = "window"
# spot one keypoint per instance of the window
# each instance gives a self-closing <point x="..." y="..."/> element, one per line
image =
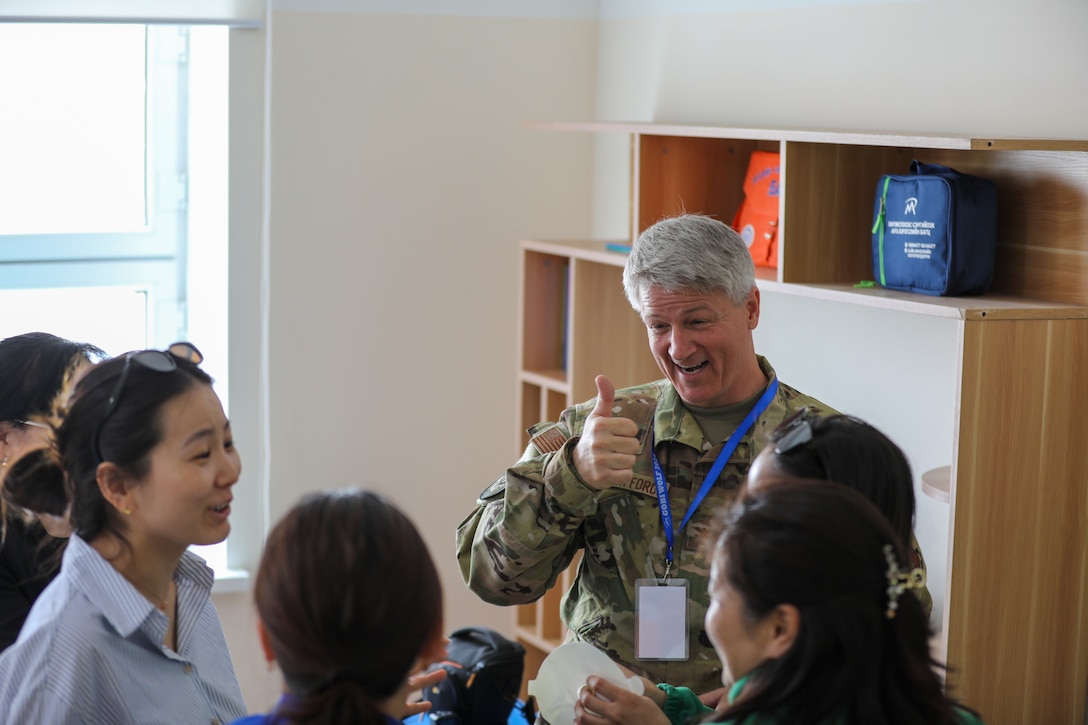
<point x="113" y="202"/>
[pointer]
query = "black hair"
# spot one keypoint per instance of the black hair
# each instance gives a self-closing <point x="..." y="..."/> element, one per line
<point x="819" y="546"/>
<point x="33" y="369"/>
<point x="36" y="370"/>
<point x="349" y="597"/>
<point x="35" y="483"/>
<point x="850" y="451"/>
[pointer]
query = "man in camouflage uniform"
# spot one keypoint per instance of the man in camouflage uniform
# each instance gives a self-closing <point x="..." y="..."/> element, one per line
<point x="587" y="482"/>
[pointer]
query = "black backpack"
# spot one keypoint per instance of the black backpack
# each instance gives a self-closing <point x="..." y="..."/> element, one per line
<point x="485" y="671"/>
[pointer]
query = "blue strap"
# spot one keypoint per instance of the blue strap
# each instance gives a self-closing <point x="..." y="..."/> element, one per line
<point x="711" y="477"/>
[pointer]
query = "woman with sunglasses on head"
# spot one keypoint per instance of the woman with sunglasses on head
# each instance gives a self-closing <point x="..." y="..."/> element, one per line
<point x="811" y="615"/>
<point x="127" y="632"/>
<point x="37" y="371"/>
<point x="846" y="450"/>
<point x="350" y="607"/>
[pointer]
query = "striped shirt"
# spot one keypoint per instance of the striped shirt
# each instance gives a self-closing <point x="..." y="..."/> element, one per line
<point x="91" y="651"/>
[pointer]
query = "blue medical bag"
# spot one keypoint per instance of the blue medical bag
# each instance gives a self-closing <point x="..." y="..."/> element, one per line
<point x="934" y="231"/>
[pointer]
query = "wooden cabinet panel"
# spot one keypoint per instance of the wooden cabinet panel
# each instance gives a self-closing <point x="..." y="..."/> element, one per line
<point x="607" y="334"/>
<point x="544" y="317"/>
<point x="1019" y="569"/>
<point x="683" y="174"/>
<point x="828" y="190"/>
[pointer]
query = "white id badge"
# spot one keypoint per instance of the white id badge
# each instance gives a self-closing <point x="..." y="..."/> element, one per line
<point x="661" y="614"/>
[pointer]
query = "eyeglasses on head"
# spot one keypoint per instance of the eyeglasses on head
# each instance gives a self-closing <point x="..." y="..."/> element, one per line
<point x="161" y="361"/>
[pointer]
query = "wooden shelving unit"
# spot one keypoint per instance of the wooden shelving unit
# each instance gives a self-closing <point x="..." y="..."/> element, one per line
<point x="1015" y="629"/>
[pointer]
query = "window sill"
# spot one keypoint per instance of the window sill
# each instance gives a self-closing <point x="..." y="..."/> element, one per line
<point x="231" y="581"/>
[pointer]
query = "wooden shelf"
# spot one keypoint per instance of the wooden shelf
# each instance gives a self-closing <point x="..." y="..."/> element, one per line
<point x="1014" y="630"/>
<point x="936" y="483"/>
<point x="1002" y="307"/>
<point x="527" y="635"/>
<point x="853" y="138"/>
<point x="989" y="306"/>
<point x="554" y="379"/>
<point x="593" y="250"/>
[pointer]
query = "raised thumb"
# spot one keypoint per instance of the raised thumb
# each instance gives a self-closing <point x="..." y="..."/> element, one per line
<point x="606" y="395"/>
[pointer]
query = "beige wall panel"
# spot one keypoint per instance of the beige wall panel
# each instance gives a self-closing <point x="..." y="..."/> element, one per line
<point x="401" y="179"/>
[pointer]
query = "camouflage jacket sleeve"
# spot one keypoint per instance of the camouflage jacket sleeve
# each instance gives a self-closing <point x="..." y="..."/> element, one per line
<point x="526" y="527"/>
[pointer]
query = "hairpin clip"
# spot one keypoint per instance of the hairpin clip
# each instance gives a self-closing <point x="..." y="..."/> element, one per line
<point x="900" y="580"/>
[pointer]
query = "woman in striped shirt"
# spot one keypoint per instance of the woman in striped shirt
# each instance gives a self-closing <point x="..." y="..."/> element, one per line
<point x="127" y="632"/>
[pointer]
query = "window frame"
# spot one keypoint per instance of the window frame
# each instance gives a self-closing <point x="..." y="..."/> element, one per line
<point x="204" y="208"/>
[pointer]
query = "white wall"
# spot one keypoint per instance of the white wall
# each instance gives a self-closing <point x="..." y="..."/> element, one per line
<point x="1003" y="69"/>
<point x="896" y="370"/>
<point x="999" y="68"/>
<point x="996" y="67"/>
<point x="400" y="181"/>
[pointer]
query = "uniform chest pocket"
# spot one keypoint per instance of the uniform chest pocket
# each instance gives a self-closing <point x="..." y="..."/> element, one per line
<point x="625" y="532"/>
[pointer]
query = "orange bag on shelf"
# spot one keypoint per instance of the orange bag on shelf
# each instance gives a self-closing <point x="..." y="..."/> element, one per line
<point x="757" y="219"/>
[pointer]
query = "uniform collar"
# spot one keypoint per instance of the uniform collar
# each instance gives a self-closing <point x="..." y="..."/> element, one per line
<point x="673" y="422"/>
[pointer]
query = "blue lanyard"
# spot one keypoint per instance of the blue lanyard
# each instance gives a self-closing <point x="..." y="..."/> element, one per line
<point x="711" y="477"/>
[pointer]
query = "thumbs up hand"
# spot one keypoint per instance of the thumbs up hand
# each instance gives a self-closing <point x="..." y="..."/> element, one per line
<point x="605" y="454"/>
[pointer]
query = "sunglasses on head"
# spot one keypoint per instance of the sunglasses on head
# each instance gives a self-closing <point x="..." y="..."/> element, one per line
<point x="161" y="361"/>
<point x="30" y="423"/>
<point x="794" y="431"/>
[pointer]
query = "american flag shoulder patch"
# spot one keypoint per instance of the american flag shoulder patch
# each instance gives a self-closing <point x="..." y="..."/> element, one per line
<point x="548" y="438"/>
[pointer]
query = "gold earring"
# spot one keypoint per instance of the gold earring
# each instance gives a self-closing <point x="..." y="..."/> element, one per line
<point x="4" y="463"/>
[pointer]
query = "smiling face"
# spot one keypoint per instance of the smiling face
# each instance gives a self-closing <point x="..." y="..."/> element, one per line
<point x="703" y="344"/>
<point x="185" y="497"/>
<point x="741" y="644"/>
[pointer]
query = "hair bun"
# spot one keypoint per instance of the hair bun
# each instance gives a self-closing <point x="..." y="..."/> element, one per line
<point x="35" y="482"/>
